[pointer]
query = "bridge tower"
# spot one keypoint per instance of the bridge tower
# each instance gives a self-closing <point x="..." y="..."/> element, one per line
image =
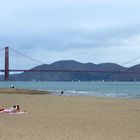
<point x="6" y="63"/>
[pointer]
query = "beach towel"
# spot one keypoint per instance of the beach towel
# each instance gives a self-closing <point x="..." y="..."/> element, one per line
<point x="9" y="111"/>
<point x="16" y="113"/>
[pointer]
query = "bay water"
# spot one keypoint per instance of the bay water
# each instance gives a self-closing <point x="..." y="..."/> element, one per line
<point x="99" y="89"/>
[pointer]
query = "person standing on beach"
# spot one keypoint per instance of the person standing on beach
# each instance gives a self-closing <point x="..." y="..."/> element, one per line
<point x="12" y="86"/>
<point x="62" y="92"/>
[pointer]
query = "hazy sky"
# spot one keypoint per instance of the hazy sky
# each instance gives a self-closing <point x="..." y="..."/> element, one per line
<point x="96" y="31"/>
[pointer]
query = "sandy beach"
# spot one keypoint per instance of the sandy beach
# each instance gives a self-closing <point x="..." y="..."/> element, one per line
<point x="52" y="117"/>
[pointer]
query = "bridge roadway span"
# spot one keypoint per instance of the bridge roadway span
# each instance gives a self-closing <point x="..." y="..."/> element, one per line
<point x="70" y="70"/>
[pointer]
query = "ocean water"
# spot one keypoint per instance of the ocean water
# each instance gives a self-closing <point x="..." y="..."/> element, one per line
<point x="99" y="89"/>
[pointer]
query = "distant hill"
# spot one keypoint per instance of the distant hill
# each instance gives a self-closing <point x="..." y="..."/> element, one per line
<point x="131" y="74"/>
<point x="109" y="72"/>
<point x="103" y="71"/>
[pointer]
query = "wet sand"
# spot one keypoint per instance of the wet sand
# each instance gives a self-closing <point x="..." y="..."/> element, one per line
<point x="52" y="117"/>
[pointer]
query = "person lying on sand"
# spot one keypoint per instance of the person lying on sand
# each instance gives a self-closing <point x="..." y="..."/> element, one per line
<point x="9" y="110"/>
<point x="1" y="109"/>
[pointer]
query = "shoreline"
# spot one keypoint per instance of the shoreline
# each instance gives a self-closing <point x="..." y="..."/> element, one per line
<point x="46" y="92"/>
<point x="22" y="91"/>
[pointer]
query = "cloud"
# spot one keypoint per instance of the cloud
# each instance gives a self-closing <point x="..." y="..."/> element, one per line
<point x="61" y="27"/>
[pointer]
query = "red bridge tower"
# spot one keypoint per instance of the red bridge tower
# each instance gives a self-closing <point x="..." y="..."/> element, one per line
<point x="6" y="63"/>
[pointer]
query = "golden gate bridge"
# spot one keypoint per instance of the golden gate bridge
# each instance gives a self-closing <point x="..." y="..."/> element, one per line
<point x="11" y="66"/>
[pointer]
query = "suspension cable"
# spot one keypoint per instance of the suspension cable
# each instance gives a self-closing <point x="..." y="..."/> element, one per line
<point x="35" y="60"/>
<point x="2" y="49"/>
<point x="132" y="60"/>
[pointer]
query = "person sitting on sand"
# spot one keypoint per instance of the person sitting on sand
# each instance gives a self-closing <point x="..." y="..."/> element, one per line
<point x="13" y="109"/>
<point x="18" y="108"/>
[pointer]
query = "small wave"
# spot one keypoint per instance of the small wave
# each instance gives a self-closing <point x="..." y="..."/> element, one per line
<point x="92" y="93"/>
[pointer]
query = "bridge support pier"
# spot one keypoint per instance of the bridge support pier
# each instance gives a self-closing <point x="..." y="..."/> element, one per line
<point x="6" y="63"/>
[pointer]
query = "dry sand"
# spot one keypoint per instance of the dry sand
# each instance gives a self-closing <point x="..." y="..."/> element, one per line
<point x="69" y="118"/>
